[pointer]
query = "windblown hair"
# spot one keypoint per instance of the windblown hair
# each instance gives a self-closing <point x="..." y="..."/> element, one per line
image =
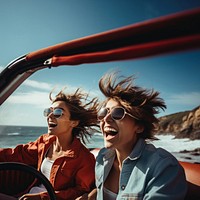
<point x="141" y="103"/>
<point x="81" y="109"/>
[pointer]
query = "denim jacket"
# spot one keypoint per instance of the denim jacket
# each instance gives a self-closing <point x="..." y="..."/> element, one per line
<point x="147" y="173"/>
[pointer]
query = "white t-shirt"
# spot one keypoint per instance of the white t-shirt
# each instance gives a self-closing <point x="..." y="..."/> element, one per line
<point x="46" y="170"/>
<point x="107" y="194"/>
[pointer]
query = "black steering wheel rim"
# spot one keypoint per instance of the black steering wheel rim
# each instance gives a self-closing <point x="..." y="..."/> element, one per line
<point x="32" y="170"/>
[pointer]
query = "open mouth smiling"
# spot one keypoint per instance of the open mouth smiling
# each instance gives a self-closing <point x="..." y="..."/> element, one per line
<point x="52" y="125"/>
<point x="110" y="131"/>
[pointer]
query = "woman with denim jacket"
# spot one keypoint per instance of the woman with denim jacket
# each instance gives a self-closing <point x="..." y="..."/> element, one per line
<point x="130" y="167"/>
<point x="59" y="154"/>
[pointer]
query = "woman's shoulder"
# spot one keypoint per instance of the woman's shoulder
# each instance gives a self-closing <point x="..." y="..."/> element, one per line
<point x="157" y="150"/>
<point x="84" y="151"/>
<point x="158" y="154"/>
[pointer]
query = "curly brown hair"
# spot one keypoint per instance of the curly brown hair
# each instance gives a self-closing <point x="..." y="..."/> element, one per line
<point x="81" y="109"/>
<point x="141" y="103"/>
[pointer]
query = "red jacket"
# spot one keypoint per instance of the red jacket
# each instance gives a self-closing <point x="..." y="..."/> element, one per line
<point x="71" y="175"/>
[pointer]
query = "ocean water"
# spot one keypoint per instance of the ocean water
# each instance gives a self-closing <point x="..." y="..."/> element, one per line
<point x="10" y="136"/>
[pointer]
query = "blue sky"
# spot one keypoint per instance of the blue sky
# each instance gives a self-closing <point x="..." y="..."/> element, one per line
<point x="28" y="25"/>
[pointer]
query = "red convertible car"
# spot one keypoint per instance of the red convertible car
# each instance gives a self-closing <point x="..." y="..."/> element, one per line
<point x="164" y="35"/>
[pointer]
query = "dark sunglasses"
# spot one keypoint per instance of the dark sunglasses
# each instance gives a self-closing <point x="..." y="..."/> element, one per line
<point x="117" y="113"/>
<point x="57" y="112"/>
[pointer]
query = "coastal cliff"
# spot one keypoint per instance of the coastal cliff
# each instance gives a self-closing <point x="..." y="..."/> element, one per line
<point x="183" y="124"/>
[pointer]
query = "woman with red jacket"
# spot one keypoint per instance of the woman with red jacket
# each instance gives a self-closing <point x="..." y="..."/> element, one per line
<point x="59" y="154"/>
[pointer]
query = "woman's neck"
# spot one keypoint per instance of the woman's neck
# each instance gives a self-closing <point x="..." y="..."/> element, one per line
<point x="62" y="143"/>
<point x="123" y="152"/>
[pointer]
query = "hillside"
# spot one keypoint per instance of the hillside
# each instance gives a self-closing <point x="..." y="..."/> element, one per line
<point x="182" y="125"/>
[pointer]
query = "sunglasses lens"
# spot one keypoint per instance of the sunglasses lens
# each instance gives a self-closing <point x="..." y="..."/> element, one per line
<point x="47" y="111"/>
<point x="57" y="113"/>
<point x="102" y="113"/>
<point x="118" y="113"/>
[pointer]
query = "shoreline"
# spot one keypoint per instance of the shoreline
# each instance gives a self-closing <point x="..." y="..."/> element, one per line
<point x="193" y="155"/>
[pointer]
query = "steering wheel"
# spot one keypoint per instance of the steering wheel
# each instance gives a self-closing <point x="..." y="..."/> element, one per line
<point x="31" y="170"/>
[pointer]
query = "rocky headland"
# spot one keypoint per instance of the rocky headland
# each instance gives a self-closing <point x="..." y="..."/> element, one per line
<point x="182" y="125"/>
